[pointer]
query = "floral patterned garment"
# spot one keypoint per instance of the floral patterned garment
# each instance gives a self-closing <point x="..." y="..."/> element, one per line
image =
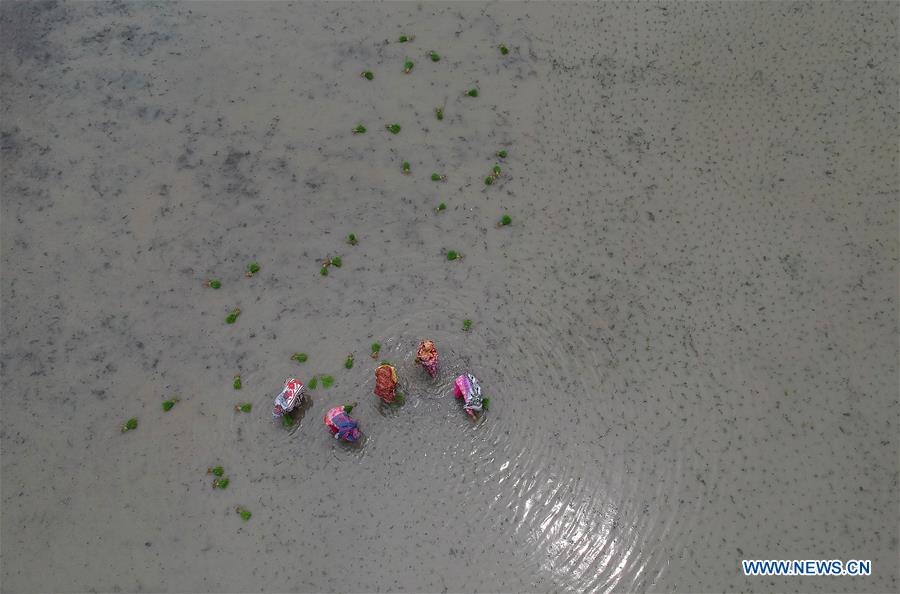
<point x="427" y="356"/>
<point x="291" y="395"/>
<point x="386" y="382"/>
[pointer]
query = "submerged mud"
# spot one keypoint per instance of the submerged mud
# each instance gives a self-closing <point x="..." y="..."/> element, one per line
<point x="688" y="334"/>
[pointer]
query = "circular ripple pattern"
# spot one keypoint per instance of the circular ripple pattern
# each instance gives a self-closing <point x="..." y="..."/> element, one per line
<point x="591" y="524"/>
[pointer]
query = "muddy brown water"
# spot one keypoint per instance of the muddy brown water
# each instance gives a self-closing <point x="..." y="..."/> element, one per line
<point x="688" y="334"/>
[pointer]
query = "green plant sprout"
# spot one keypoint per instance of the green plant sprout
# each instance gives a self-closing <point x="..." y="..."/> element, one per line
<point x="336" y="262"/>
<point x="502" y="153"/>
<point x="435" y="57"/>
<point x="351" y="239"/>
<point x="244" y="407"/>
<point x="408" y="66"/>
<point x="383" y="362"/>
<point x="348" y="363"/>
<point x="393" y="128"/>
<point x="348" y="408"/>
<point x="233" y="316"/>
<point x="360" y="129"/>
<point x="220" y="483"/>
<point x="216" y="471"/>
<point x="237" y="382"/>
<point x="299" y="357"/>
<point x="489" y="180"/>
<point x="405" y="38"/>
<point x="313" y="382"/>
<point x="438" y="177"/>
<point x="473" y="92"/>
<point x="213" y="284"/>
<point x="485" y="404"/>
<point x="287" y="421"/>
<point x="504" y="221"/>
<point x="376" y="348"/>
<point x="496" y="171"/>
<point x="467" y="324"/>
<point x="327" y="381"/>
<point x="453" y="255"/>
<point x="439" y="113"/>
<point x="406" y="167"/>
<point x="503" y="49"/>
<point x="367" y="74"/>
<point x="244" y="513"/>
<point x="441" y="207"/>
<point x="323" y="271"/>
<point x="168" y="404"/>
<point x="252" y="268"/>
<point x="399" y="399"/>
<point x="130" y="425"/>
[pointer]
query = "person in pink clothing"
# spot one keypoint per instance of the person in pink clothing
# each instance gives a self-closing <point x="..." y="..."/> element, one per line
<point x="341" y="425"/>
<point x="467" y="387"/>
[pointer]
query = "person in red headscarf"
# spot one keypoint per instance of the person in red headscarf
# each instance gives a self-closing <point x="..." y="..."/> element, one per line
<point x="427" y="357"/>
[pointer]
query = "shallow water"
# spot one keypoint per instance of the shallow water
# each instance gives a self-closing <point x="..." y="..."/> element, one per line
<point x="688" y="334"/>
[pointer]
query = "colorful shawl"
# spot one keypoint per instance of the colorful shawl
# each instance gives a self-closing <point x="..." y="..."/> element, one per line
<point x="386" y="382"/>
<point x="468" y="388"/>
<point x="341" y="425"/>
<point x="427" y="355"/>
<point x="291" y="395"/>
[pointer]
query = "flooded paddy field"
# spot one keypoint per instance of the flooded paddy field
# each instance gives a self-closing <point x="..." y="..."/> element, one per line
<point x="687" y="331"/>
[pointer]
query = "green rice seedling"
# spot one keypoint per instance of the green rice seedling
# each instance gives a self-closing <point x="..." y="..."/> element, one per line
<point x="452" y="255"/>
<point x="489" y="180"/>
<point x="299" y="357"/>
<point x="287" y="421"/>
<point x="237" y="382"/>
<point x="439" y="113"/>
<point x="168" y="404"/>
<point x="399" y="399"/>
<point x="244" y="407"/>
<point x="367" y="74"/>
<point x="376" y="348"/>
<point x="485" y="404"/>
<point x="336" y="262"/>
<point x="215" y="471"/>
<point x="252" y="268"/>
<point x="408" y="66"/>
<point x="405" y="38"/>
<point x="233" y="315"/>
<point x="438" y="177"/>
<point x="467" y="324"/>
<point x="323" y="271"/>
<point x="393" y="128"/>
<point x="351" y="239"/>
<point x="327" y="381"/>
<point x="244" y="513"/>
<point x="360" y="129"/>
<point x="130" y="425"/>
<point x="496" y="171"/>
<point x="473" y="92"/>
<point x="385" y="362"/>
<point x="441" y="207"/>
<point x="348" y="408"/>
<point x="313" y="382"/>
<point x="502" y="153"/>
<point x="406" y="167"/>
<point x="435" y="57"/>
<point x="220" y="483"/>
<point x="348" y="362"/>
<point x="213" y="284"/>
<point x="504" y="221"/>
<point x="503" y="49"/>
